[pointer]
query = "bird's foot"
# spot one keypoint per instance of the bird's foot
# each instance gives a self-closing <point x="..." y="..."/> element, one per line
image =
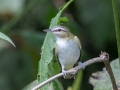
<point x="81" y="64"/>
<point x="64" y="72"/>
<point x="66" y="75"/>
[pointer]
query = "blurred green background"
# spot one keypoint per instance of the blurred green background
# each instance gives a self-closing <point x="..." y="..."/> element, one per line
<point x="24" y="20"/>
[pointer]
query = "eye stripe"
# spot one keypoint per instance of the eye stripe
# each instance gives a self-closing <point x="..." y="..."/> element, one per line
<point x="59" y="30"/>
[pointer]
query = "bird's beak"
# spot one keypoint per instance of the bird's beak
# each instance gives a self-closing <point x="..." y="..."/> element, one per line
<point x="47" y="30"/>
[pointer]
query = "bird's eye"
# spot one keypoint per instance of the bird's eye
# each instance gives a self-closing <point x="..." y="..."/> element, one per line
<point x="59" y="30"/>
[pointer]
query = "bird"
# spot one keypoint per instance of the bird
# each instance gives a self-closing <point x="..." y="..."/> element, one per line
<point x="67" y="48"/>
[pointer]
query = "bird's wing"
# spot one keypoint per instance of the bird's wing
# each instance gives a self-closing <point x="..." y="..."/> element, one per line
<point x="56" y="51"/>
<point x="76" y="39"/>
<point x="56" y="54"/>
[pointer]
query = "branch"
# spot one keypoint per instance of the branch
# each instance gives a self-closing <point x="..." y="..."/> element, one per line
<point x="104" y="57"/>
<point x="110" y="72"/>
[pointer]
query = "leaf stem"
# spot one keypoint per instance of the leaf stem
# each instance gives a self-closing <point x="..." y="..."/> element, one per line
<point x="117" y="29"/>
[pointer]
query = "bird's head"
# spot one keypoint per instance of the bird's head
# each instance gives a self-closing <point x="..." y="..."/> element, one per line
<point x="59" y="31"/>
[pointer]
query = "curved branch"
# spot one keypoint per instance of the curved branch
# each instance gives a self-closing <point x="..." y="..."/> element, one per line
<point x="104" y="57"/>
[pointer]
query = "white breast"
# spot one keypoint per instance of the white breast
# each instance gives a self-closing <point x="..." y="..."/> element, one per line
<point x="68" y="53"/>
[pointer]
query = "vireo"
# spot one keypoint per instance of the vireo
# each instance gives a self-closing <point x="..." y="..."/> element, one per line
<point x="67" y="48"/>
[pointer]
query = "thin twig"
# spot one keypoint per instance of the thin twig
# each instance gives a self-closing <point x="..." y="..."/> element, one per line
<point x="109" y="70"/>
<point x="104" y="57"/>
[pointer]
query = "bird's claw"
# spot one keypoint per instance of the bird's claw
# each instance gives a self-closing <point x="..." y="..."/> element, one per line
<point x="64" y="72"/>
<point x="81" y="64"/>
<point x="66" y="75"/>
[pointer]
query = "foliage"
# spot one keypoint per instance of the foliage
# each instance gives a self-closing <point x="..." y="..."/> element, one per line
<point x="46" y="69"/>
<point x="101" y="80"/>
<point x="90" y="20"/>
<point x="117" y="27"/>
<point x="3" y="36"/>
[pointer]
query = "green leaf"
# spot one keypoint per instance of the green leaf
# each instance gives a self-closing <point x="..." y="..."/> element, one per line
<point x="54" y="69"/>
<point x="101" y="80"/>
<point x="62" y="19"/>
<point x="45" y="69"/>
<point x="3" y="36"/>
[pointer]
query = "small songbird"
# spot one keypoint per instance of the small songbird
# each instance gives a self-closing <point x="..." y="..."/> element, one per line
<point x="67" y="47"/>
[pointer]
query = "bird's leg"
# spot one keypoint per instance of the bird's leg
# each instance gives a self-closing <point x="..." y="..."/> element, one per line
<point x="81" y="64"/>
<point x="64" y="71"/>
<point x="66" y="75"/>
